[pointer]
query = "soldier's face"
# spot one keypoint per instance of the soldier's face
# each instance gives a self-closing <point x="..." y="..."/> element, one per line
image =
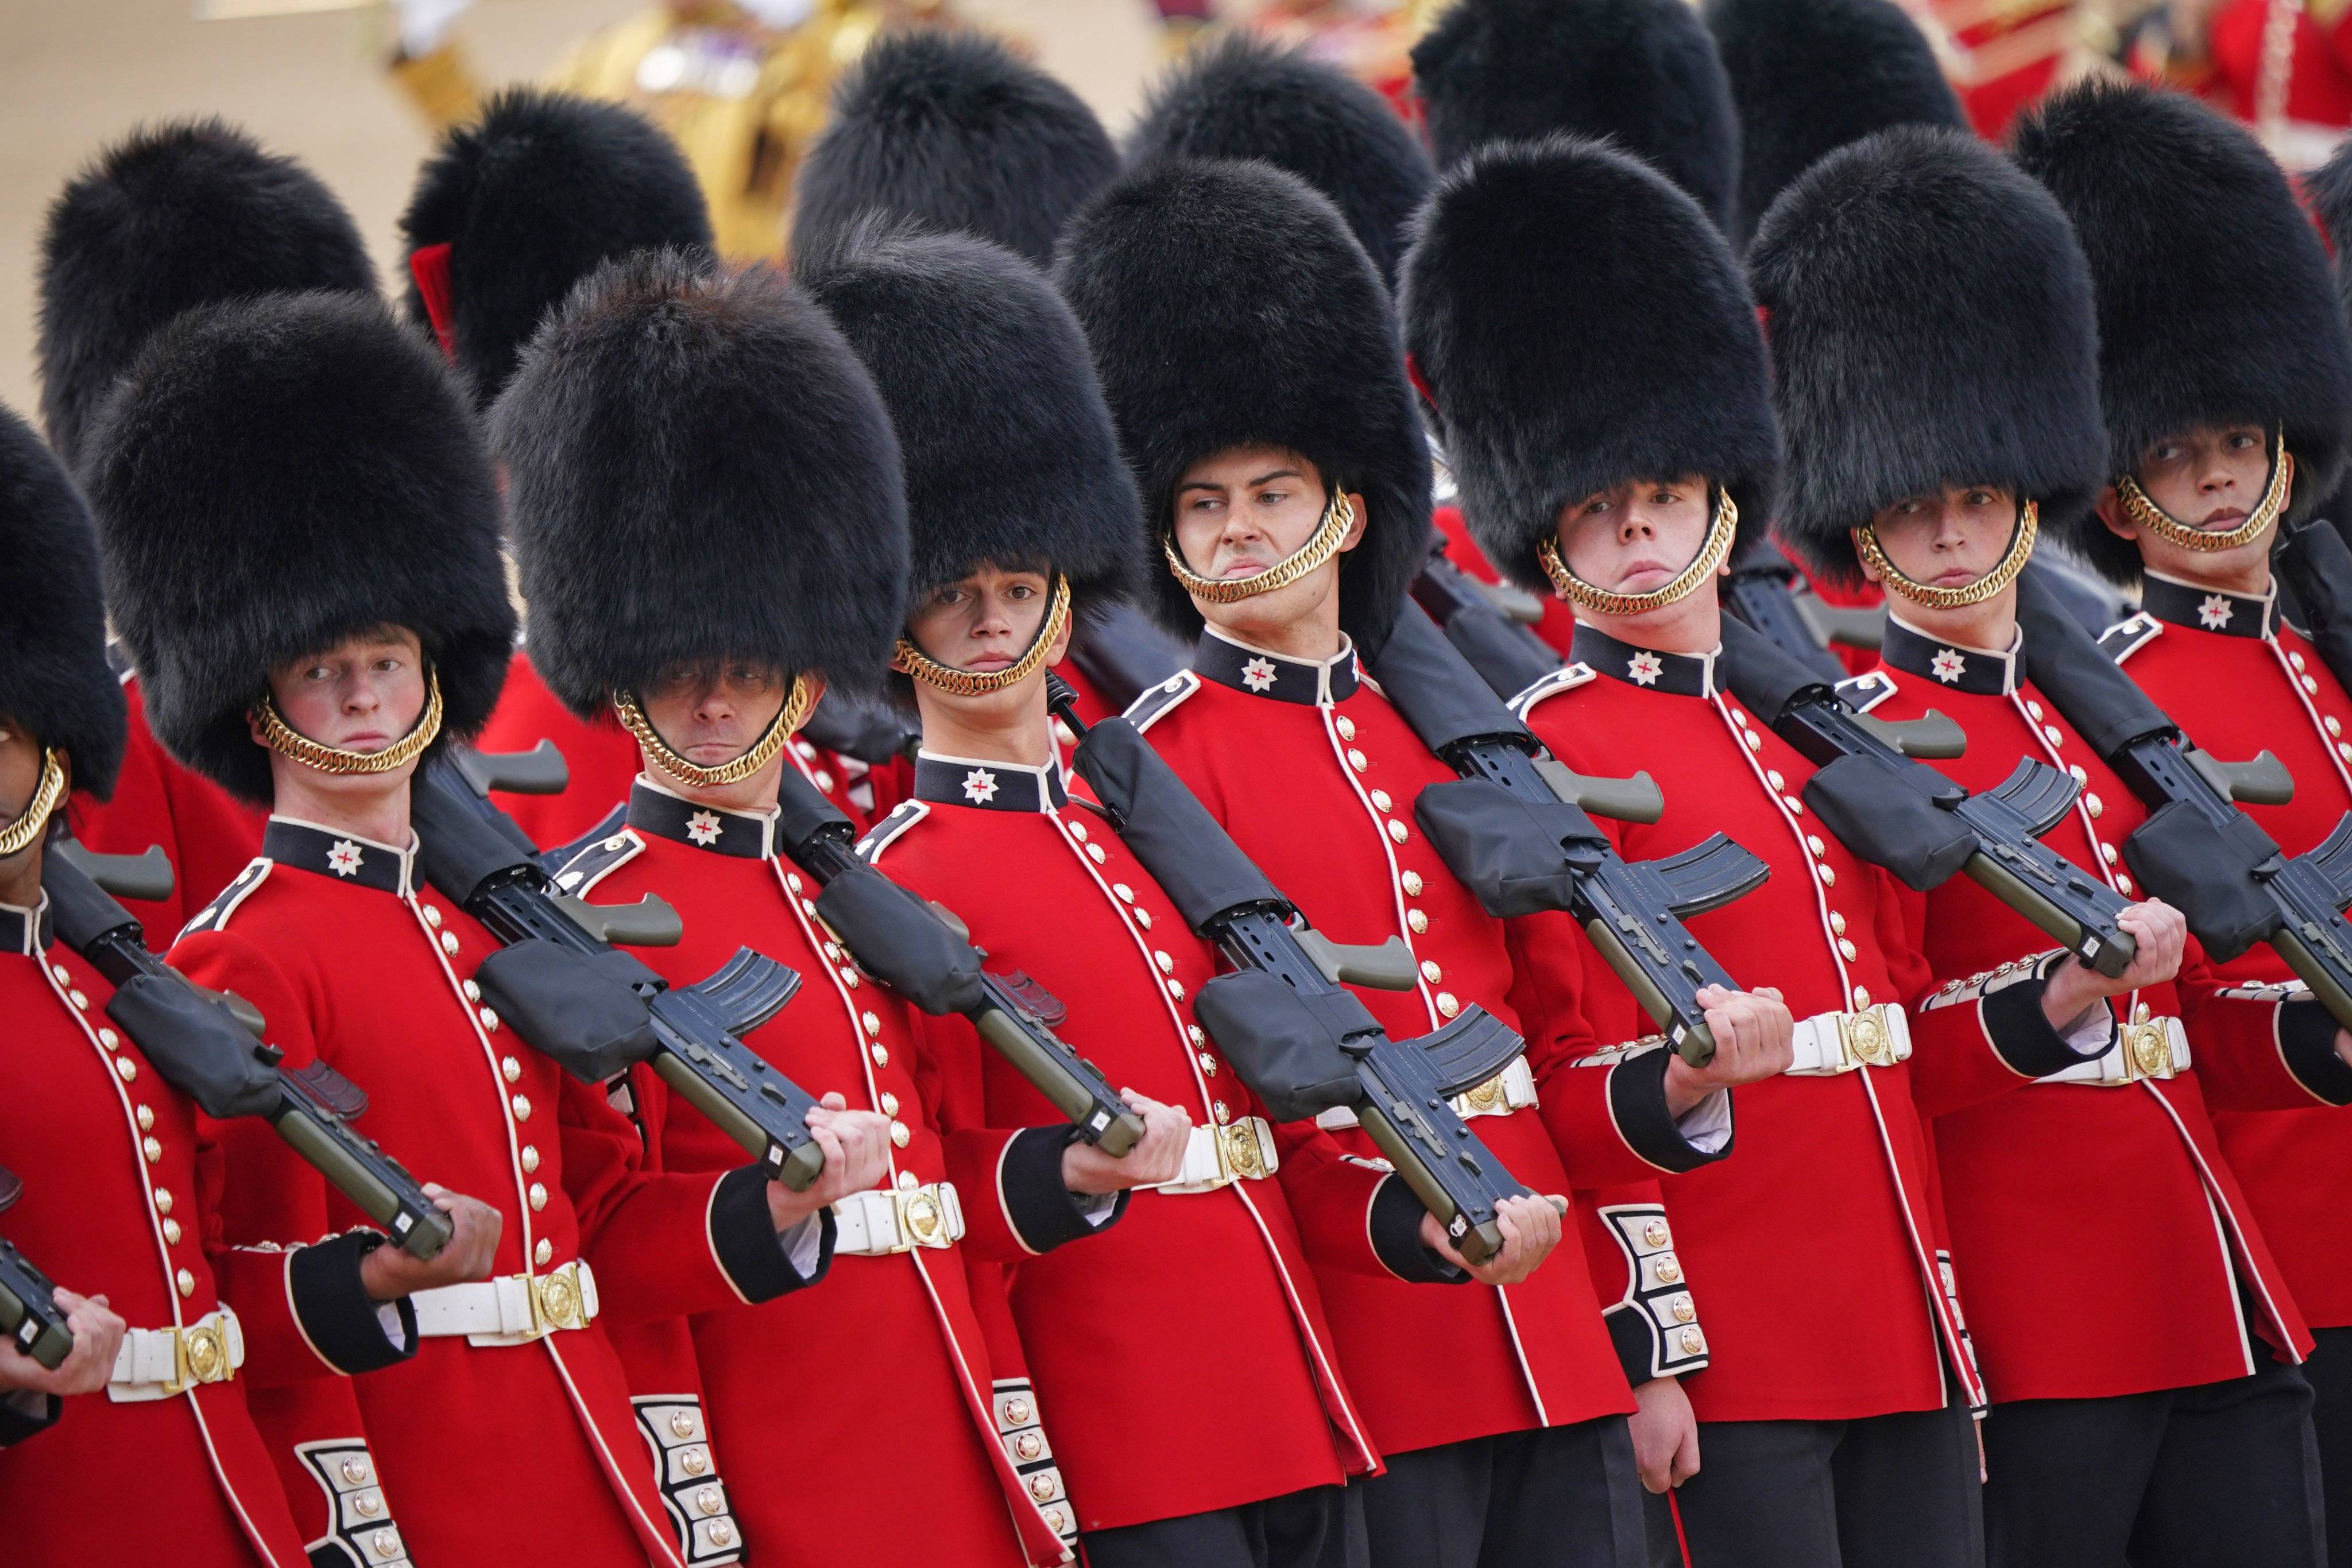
<point x="1947" y="537"/>
<point x="1635" y="537"/>
<point x="712" y="713"/>
<point x="2210" y="478"/>
<point x="20" y="777"/>
<point x="985" y="624"/>
<point x="1249" y="508"/>
<point x="362" y="695"/>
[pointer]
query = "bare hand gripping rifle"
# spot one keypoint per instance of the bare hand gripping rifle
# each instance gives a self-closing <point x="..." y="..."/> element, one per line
<point x="1515" y="829"/>
<point x="209" y="1045"/>
<point x="1899" y="813"/>
<point x="2197" y="850"/>
<point x="566" y="988"/>
<point x="1293" y="1032"/>
<point x="919" y="950"/>
<point x="30" y="1318"/>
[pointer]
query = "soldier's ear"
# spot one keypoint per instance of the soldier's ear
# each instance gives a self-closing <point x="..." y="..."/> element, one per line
<point x="1869" y="573"/>
<point x="2110" y="509"/>
<point x="1363" y="517"/>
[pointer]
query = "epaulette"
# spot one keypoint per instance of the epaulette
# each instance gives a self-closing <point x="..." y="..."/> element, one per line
<point x="1156" y="703"/>
<point x="552" y="861"/>
<point x="583" y="863"/>
<point x="2127" y="637"/>
<point x="214" y="915"/>
<point x="1567" y="678"/>
<point x="1862" y="693"/>
<point x="887" y="831"/>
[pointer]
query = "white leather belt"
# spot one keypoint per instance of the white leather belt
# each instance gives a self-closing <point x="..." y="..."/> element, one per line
<point x="1513" y="1089"/>
<point x="886" y="1220"/>
<point x="156" y="1364"/>
<point x="2152" y="1048"/>
<point x="1829" y="1044"/>
<point x="513" y="1309"/>
<point x="1219" y="1156"/>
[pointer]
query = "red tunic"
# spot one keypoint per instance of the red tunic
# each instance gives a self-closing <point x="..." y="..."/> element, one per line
<point x="2071" y="1204"/>
<point x="1831" y="1197"/>
<point x="2239" y="682"/>
<point x="328" y="935"/>
<point x="120" y="1188"/>
<point x="891" y="1339"/>
<point x="1200" y="1303"/>
<point x="1315" y="774"/>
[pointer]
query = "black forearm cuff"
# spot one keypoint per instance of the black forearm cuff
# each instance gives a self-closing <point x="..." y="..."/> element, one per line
<point x="1043" y="1211"/>
<point x="743" y="1238"/>
<point x="1640" y="1349"/>
<point x="2306" y="1037"/>
<point x="1395" y="1228"/>
<point x="2023" y="1035"/>
<point x="17" y="1425"/>
<point x="334" y="1310"/>
<point x="1637" y="1102"/>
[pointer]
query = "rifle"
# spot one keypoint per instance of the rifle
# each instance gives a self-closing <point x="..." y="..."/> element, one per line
<point x="29" y="1315"/>
<point x="1899" y="813"/>
<point x="1487" y="624"/>
<point x="1299" y="1037"/>
<point x="1119" y="649"/>
<point x="1761" y="590"/>
<point x="2197" y="850"/>
<point x="925" y="954"/>
<point x="1515" y="828"/>
<point x="595" y="1009"/>
<point x="209" y="1044"/>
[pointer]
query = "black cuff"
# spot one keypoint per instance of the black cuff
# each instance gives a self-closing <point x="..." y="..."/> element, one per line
<point x="1641" y="1350"/>
<point x="15" y="1425"/>
<point x="1637" y="1100"/>
<point x="1395" y="1228"/>
<point x="743" y="1238"/>
<point x="1042" y="1212"/>
<point x="2306" y="1037"/>
<point x="2023" y="1037"/>
<point x="333" y="1308"/>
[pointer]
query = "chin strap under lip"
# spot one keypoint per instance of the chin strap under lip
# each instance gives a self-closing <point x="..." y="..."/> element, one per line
<point x="762" y="751"/>
<point x="292" y="744"/>
<point x="2020" y="551"/>
<point x="20" y="835"/>
<point x="2143" y="511"/>
<point x="1339" y="518"/>
<point x="957" y="683"/>
<point x="1712" y="553"/>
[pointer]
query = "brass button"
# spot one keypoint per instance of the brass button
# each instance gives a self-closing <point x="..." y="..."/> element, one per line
<point x="1813" y="843"/>
<point x="1837" y="923"/>
<point x="2295" y="661"/>
<point x="899" y="1136"/>
<point x="79" y="1000"/>
<point x="908" y="1182"/>
<point x="542" y="1252"/>
<point x="385" y="1543"/>
<point x="449" y="943"/>
<point x="108" y="1039"/>
<point x="833" y="952"/>
<point x="1078" y="831"/>
<point x="522" y="1107"/>
<point x="1042" y="1487"/>
<point x="1381" y="799"/>
<point x="1848" y="950"/>
<point x="2310" y="686"/>
<point x="1654" y="1234"/>
<point x="510" y="1070"/>
<point x="694" y="1461"/>
<point x="1755" y="741"/>
<point x="1217" y="1109"/>
<point x="1772" y="777"/>
<point x="126" y="1068"/>
<point x="871" y="1024"/>
<point x="2122" y="883"/>
<point x="185" y="1281"/>
<point x="2094" y="805"/>
<point x="1829" y="875"/>
<point x="707" y="1501"/>
<point x="355" y="1471"/>
<point x="530" y="1158"/>
<point x="145" y="1117"/>
<point x="792" y="881"/>
<point x="1126" y="894"/>
<point x="432" y="916"/>
<point x="1796" y="807"/>
<point x="1357" y="761"/>
<point x="1095" y="854"/>
<point x="849" y="977"/>
<point x="1669" y="1269"/>
<point x="889" y="1104"/>
<point x="1861" y="997"/>
<point x="1028" y="1444"/>
<point x="1430" y="972"/>
<point x="152" y="1149"/>
<point x="1143" y="919"/>
<point x="2139" y="1012"/>
<point x="1176" y="989"/>
<point x="1058" y="1521"/>
<point x="881" y="1054"/>
<point x="1693" y="1342"/>
<point x="1345" y="725"/>
<point x="1166" y="964"/>
<point x="1683" y="1310"/>
<point x="1398" y="831"/>
<point x="822" y="780"/>
<point x="162" y="1200"/>
<point x="1208" y="1066"/>
<point x="538" y="1195"/>
<point x="682" y="1424"/>
<point x="60" y="971"/>
<point x="616" y="841"/>
<point x="1410" y="882"/>
<point x="1016" y="1412"/>
<point x="1446" y="1004"/>
<point x="722" y="1534"/>
<point x="171" y="1233"/>
<point x="2107" y="852"/>
<point x="2033" y="710"/>
<point x="1193" y="1033"/>
<point x="2079" y="775"/>
<point x="2343" y="749"/>
<point x="1419" y="922"/>
<point x="2334" y="728"/>
<point x="368" y="1503"/>
<point x="490" y="1022"/>
<point x="473" y="992"/>
<point x="2050" y="733"/>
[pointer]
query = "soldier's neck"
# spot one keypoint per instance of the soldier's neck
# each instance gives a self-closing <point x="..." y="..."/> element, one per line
<point x="989" y="728"/>
<point x="753" y="795"/>
<point x="363" y="806"/>
<point x="20" y="877"/>
<point x="1990" y="627"/>
<point x="1691" y="624"/>
<point x="2223" y="573"/>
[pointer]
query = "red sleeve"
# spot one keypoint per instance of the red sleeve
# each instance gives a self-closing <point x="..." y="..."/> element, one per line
<point x="2259" y="1046"/>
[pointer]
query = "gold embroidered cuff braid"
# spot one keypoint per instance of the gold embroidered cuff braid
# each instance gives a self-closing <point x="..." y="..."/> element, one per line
<point x="1339" y="517"/>
<point x="2020" y="551"/>
<point x="2144" y="513"/>
<point x="1720" y="532"/>
<point x="790" y="717"/>
<point x="288" y="742"/>
<point x="18" y="834"/>
<point x="980" y="682"/>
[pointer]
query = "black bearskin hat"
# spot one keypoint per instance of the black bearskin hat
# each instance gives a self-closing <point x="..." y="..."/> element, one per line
<point x="172" y="217"/>
<point x="1227" y="305"/>
<point x="700" y="468"/>
<point x="1245" y="97"/>
<point x="56" y="681"/>
<point x="1810" y="76"/>
<point x="1643" y="71"/>
<point x="950" y="128"/>
<point x="1931" y="324"/>
<point x="2215" y="301"/>
<point x="273" y="475"/>
<point x="2329" y="188"/>
<point x="1578" y="323"/>
<point x="532" y="198"/>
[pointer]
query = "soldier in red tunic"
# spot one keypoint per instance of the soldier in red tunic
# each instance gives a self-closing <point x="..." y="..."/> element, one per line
<point x="1248" y="351"/>
<point x="1925" y="455"/>
<point x="2227" y="386"/>
<point x="300" y="525"/>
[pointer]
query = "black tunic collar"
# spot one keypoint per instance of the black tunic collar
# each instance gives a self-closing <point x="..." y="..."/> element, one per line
<point x="339" y="856"/>
<point x="1972" y="669"/>
<point x="1217" y="657"/>
<point x="26" y="931"/>
<point x="1682" y="675"/>
<point x="991" y="786"/>
<point x="2208" y="609"/>
<point x="751" y="835"/>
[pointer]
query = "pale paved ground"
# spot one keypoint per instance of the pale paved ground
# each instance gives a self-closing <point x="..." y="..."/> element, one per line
<point x="74" y="74"/>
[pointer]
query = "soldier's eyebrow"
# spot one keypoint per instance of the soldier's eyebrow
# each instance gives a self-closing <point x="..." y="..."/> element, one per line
<point x="1276" y="474"/>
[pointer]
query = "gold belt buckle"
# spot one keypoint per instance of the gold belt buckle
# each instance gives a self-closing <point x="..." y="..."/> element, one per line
<point x="1490" y="1096"/>
<point x="199" y="1355"/>
<point x="1865" y="1037"/>
<point x="2148" y="1051"/>
<point x="556" y="1301"/>
<point x="922" y="1218"/>
<point x="1239" y="1153"/>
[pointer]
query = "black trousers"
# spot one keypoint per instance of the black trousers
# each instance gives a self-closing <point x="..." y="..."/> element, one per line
<point x="1563" y="1497"/>
<point x="1887" y="1492"/>
<point x="1321" y="1527"/>
<point x="2329" y="1372"/>
<point x="2221" y="1475"/>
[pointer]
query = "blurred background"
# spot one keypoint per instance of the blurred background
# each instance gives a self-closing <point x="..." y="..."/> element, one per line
<point x="357" y="88"/>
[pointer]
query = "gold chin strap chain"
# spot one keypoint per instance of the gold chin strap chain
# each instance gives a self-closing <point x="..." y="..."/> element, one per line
<point x="19" y="834"/>
<point x="980" y="682"/>
<point x="287" y="741"/>
<point x="1339" y="517"/>
<point x="2020" y="550"/>
<point x="2147" y="514"/>
<point x="793" y="714"/>
<point x="1721" y="531"/>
